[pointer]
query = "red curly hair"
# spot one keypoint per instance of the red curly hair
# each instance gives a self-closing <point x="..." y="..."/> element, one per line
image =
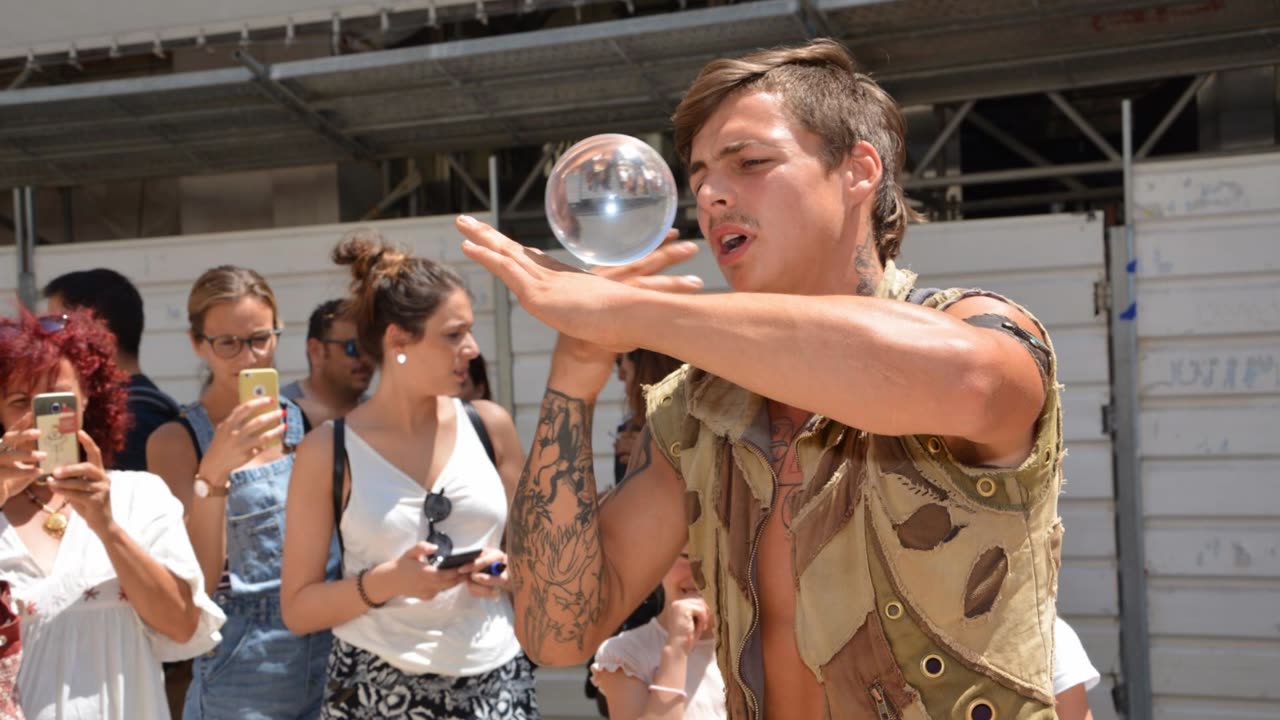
<point x="29" y="353"/>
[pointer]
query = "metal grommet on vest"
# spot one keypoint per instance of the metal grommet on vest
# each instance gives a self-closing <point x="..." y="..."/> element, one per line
<point x="893" y="610"/>
<point x="981" y="709"/>
<point x="932" y="666"/>
<point x="986" y="487"/>
<point x="934" y="445"/>
<point x="675" y="449"/>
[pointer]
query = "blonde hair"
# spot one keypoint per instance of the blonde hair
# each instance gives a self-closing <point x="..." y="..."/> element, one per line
<point x="224" y="284"/>
<point x="823" y="92"/>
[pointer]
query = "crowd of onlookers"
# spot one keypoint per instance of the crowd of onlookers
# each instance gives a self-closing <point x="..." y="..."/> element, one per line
<point x="306" y="555"/>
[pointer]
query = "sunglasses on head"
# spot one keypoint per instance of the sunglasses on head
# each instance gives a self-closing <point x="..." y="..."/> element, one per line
<point x="436" y="507"/>
<point x="48" y="324"/>
<point x="349" y="347"/>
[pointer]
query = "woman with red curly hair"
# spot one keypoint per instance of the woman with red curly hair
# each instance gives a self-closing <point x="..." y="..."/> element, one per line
<point x="104" y="578"/>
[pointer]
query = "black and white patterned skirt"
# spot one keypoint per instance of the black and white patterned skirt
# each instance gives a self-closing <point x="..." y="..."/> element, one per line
<point x="362" y="686"/>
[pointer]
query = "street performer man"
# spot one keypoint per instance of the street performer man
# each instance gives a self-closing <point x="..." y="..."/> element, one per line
<point x="866" y="472"/>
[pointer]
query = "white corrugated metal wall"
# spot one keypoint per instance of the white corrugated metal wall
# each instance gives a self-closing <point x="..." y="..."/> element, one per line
<point x="1049" y="264"/>
<point x="1208" y="281"/>
<point x="294" y="261"/>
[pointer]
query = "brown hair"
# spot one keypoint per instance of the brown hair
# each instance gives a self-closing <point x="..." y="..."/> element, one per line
<point x="390" y="287"/>
<point x="650" y="368"/>
<point x="227" y="283"/>
<point x="823" y="92"/>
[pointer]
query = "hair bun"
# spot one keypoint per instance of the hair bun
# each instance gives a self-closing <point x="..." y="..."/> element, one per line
<point x="371" y="257"/>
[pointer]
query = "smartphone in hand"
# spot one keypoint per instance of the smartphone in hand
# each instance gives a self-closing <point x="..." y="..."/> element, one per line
<point x="57" y="420"/>
<point x="261" y="382"/>
<point x="455" y="560"/>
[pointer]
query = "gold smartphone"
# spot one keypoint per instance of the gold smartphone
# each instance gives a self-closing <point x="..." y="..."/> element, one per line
<point x="264" y="382"/>
<point x="55" y="416"/>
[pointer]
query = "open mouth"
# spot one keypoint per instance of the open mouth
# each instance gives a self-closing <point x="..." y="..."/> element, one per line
<point x="732" y="242"/>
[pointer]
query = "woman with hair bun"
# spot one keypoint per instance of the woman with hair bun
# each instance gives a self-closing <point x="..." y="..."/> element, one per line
<point x="416" y="491"/>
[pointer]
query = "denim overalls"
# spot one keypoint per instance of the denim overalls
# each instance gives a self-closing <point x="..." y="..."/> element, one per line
<point x="260" y="670"/>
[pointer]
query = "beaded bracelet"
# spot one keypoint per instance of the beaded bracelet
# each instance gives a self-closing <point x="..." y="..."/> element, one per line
<point x="364" y="595"/>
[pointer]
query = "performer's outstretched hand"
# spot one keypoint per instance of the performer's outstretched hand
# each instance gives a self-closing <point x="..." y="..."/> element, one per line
<point x="578" y="304"/>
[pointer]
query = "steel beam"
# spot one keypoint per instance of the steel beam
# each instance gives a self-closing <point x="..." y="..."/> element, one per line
<point x="1020" y="149"/>
<point x="1169" y="117"/>
<point x="947" y="131"/>
<point x="467" y="180"/>
<point x="548" y="150"/>
<point x="1085" y="126"/>
<point x="999" y="176"/>
<point x="280" y="93"/>
<point x="648" y="81"/>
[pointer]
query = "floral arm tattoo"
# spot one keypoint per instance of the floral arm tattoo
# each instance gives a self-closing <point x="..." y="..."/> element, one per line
<point x="553" y="535"/>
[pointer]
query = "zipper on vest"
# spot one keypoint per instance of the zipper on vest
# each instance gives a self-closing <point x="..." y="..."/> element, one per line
<point x="756" y="711"/>
<point x="883" y="709"/>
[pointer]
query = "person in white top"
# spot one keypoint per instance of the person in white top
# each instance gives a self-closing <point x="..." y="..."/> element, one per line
<point x="104" y="579"/>
<point x="665" y="669"/>
<point x="414" y="637"/>
<point x="1073" y="675"/>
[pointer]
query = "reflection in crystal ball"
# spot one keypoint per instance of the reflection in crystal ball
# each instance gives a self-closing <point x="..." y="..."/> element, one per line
<point x="611" y="199"/>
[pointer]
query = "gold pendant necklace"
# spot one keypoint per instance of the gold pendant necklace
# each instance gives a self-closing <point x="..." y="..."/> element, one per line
<point x="56" y="524"/>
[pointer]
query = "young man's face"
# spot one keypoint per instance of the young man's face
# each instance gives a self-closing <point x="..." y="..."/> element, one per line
<point x="774" y="216"/>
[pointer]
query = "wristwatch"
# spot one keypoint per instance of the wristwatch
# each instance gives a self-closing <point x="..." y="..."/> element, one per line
<point x="203" y="488"/>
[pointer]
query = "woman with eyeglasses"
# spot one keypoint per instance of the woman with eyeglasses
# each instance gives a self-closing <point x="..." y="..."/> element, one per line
<point x="104" y="580"/>
<point x="229" y="463"/>
<point x="416" y="491"/>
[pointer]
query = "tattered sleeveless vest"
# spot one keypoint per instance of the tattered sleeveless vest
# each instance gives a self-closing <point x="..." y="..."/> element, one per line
<point x="925" y="588"/>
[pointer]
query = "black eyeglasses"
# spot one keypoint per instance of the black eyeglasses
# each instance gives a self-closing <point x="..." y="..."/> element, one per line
<point x="436" y="507"/>
<point x="229" y="346"/>
<point x="349" y="347"/>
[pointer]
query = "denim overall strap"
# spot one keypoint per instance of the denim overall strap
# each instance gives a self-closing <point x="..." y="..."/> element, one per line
<point x="198" y="418"/>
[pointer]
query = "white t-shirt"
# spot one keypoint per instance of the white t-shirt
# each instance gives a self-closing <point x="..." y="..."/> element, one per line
<point x="1071" y="665"/>
<point x="638" y="652"/>
<point x="85" y="652"/>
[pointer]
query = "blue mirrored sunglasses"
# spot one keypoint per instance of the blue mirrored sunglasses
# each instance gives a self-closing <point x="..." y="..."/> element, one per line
<point x="349" y="347"/>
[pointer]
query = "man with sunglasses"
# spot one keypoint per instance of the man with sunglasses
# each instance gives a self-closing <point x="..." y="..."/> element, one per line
<point x="339" y="374"/>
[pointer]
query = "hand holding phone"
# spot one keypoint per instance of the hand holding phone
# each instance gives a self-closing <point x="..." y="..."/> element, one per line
<point x="260" y="383"/>
<point x="448" y="562"/>
<point x="251" y="428"/>
<point x="57" y="420"/>
<point x="19" y="458"/>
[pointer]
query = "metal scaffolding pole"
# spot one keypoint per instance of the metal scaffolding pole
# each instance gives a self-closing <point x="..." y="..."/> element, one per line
<point x="1134" y="696"/>
<point x="24" y="230"/>
<point x="501" y="308"/>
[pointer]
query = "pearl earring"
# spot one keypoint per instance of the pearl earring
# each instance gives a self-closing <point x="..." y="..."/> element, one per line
<point x="402" y="358"/>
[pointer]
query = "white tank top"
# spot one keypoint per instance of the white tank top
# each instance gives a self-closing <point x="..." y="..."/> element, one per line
<point x="455" y="633"/>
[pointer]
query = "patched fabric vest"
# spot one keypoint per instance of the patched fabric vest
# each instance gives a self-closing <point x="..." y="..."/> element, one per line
<point x="925" y="588"/>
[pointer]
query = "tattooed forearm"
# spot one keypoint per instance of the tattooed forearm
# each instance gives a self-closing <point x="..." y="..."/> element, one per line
<point x="553" y="535"/>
